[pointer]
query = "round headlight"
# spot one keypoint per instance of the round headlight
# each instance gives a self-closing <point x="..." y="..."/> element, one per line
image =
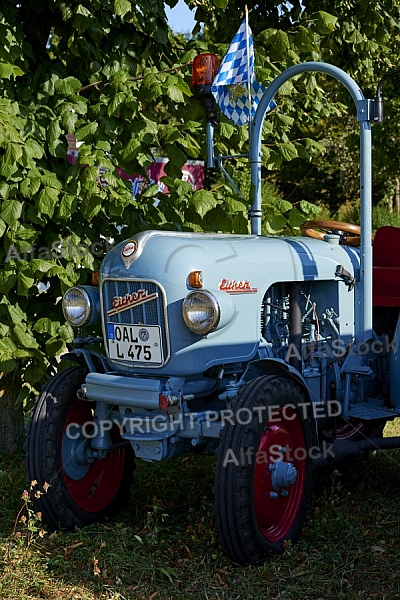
<point x="77" y="306"/>
<point x="201" y="312"/>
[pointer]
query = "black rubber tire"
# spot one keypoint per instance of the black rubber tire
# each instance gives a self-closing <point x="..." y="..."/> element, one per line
<point x="44" y="461"/>
<point x="235" y="484"/>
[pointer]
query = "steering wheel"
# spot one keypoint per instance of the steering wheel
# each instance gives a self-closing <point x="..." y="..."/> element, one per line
<point x="349" y="233"/>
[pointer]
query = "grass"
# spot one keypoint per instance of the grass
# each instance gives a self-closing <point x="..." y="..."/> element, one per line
<point x="164" y="546"/>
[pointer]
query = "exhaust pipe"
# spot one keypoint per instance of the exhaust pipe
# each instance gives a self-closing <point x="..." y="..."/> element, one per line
<point x="331" y="454"/>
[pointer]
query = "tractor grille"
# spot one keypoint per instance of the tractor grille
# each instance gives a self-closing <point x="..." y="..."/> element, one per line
<point x="151" y="312"/>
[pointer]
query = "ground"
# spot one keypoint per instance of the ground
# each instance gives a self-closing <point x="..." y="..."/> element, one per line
<point x="165" y="546"/>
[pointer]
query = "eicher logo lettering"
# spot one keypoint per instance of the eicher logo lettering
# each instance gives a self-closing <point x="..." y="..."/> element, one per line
<point x="236" y="287"/>
<point x="121" y="303"/>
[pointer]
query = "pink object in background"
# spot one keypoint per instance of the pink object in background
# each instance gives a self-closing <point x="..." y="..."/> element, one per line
<point x="192" y="171"/>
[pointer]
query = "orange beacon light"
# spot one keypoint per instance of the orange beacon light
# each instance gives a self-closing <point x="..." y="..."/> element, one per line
<point x="204" y="69"/>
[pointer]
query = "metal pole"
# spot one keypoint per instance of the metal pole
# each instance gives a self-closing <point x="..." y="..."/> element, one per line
<point x="366" y="231"/>
<point x="210" y="145"/>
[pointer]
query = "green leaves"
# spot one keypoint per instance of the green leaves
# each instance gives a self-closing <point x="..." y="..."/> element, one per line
<point x="47" y="201"/>
<point x="29" y="186"/>
<point x="131" y="149"/>
<point x="11" y="211"/>
<point x="203" y="201"/>
<point x="24" y="284"/>
<point x="288" y="151"/>
<point x="226" y="129"/>
<point x="122" y="7"/>
<point x="53" y="136"/>
<point x="325" y="22"/>
<point x="220" y="3"/>
<point x="68" y="86"/>
<point x="24" y="337"/>
<point x="309" y="209"/>
<point x="33" y="149"/>
<point x="7" y="70"/>
<point x="86" y="131"/>
<point x="281" y="42"/>
<point x="12" y="154"/>
<point x="150" y="88"/>
<point x="305" y="39"/>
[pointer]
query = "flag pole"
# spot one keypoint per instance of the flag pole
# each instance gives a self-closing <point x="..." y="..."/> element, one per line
<point x="246" y="11"/>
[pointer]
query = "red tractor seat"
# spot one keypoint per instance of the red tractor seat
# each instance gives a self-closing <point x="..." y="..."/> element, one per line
<point x="386" y="267"/>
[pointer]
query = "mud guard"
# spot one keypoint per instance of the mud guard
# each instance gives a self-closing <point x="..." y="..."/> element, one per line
<point x="276" y="366"/>
<point x="93" y="361"/>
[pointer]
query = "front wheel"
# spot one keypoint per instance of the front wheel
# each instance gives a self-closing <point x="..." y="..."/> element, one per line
<point x="263" y="471"/>
<point x="83" y="490"/>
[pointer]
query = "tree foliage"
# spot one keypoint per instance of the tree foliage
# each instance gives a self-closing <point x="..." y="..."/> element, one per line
<point x="362" y="38"/>
<point x="112" y="73"/>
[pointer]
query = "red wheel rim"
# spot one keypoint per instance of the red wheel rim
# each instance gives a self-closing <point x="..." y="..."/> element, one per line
<point x="275" y="515"/>
<point x="99" y="486"/>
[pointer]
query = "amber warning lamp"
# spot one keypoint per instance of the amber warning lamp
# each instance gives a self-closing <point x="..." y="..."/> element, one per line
<point x="204" y="69"/>
<point x="195" y="279"/>
<point x="95" y="277"/>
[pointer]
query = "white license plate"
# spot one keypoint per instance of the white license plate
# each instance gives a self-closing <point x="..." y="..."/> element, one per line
<point x="136" y="343"/>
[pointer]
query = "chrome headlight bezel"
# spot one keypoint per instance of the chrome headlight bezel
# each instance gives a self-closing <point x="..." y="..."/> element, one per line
<point x="207" y="324"/>
<point x="81" y="305"/>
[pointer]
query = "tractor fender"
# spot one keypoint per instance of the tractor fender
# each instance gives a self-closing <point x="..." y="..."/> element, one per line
<point x="276" y="366"/>
<point x="93" y="361"/>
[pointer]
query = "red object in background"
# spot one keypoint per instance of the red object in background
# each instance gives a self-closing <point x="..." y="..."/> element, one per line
<point x="386" y="267"/>
<point x="192" y="171"/>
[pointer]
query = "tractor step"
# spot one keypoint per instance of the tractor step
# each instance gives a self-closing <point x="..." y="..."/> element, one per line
<point x="372" y="409"/>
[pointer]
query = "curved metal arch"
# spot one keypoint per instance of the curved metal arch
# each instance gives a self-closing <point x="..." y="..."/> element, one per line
<point x="364" y="326"/>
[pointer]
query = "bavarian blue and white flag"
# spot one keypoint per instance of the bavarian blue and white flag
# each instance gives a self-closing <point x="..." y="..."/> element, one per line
<point x="234" y="81"/>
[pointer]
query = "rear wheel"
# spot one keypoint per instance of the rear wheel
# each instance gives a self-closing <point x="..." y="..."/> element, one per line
<point x="263" y="471"/>
<point x="83" y="489"/>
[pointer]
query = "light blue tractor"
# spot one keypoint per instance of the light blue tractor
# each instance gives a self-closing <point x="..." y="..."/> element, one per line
<point x="279" y="353"/>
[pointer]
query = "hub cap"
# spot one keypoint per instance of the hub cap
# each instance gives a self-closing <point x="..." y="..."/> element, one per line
<point x="92" y="483"/>
<point x="279" y="475"/>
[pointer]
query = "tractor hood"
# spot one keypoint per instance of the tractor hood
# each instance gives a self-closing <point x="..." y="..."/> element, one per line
<point x="238" y="269"/>
<point x="172" y="255"/>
